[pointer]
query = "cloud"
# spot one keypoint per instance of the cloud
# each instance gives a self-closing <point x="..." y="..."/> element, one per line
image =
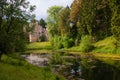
<point x="43" y="5"/>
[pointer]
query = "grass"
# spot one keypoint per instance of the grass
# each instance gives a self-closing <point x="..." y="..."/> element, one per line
<point x="39" y="46"/>
<point x="106" y="46"/>
<point x="15" y="69"/>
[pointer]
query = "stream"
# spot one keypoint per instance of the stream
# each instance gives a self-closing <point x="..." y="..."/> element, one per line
<point x="77" y="67"/>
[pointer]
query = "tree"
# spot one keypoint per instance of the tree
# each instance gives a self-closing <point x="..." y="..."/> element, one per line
<point x="42" y="23"/>
<point x="115" y="20"/>
<point x="86" y="18"/>
<point x="94" y="18"/>
<point x="74" y="16"/>
<point x="63" y="22"/>
<point x="14" y="14"/>
<point x="75" y="10"/>
<point x="52" y="19"/>
<point x="102" y="28"/>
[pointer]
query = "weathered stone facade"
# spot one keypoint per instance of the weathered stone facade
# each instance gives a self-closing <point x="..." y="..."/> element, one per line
<point x="37" y="32"/>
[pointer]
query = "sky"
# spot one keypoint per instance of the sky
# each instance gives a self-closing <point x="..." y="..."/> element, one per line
<point x="43" y="5"/>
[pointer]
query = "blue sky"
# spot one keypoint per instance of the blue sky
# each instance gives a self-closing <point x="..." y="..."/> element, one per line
<point x="43" y="5"/>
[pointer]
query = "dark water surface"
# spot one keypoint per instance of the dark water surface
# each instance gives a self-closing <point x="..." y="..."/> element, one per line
<point x="77" y="67"/>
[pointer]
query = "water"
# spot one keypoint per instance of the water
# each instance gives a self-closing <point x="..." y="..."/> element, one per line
<point x="77" y="67"/>
<point x="40" y="60"/>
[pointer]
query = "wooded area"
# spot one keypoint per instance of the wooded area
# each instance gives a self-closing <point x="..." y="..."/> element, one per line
<point x="90" y="20"/>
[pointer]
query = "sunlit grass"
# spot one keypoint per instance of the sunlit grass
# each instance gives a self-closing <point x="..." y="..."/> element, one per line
<point x="106" y="46"/>
<point x="109" y="42"/>
<point x="39" y="45"/>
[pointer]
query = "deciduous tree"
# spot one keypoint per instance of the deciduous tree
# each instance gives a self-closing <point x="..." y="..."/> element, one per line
<point x="14" y="14"/>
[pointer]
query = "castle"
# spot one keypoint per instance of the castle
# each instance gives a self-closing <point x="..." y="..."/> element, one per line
<point x="38" y="33"/>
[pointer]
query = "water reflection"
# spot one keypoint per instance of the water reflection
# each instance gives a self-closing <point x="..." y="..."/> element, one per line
<point x="76" y="67"/>
<point x="40" y="60"/>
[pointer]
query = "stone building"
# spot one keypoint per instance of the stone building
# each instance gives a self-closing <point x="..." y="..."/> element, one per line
<point x="38" y="33"/>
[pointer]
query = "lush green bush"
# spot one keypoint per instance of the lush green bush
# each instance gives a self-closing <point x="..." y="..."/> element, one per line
<point x="67" y="42"/>
<point x="42" y="38"/>
<point x="59" y="42"/>
<point x="86" y="43"/>
<point x="56" y="42"/>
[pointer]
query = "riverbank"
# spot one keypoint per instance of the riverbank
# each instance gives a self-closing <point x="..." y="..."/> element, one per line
<point x="45" y="47"/>
<point x="92" y="65"/>
<point x="12" y="68"/>
<point x="103" y="48"/>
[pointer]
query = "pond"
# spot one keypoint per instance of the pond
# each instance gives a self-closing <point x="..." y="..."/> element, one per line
<point x="77" y="67"/>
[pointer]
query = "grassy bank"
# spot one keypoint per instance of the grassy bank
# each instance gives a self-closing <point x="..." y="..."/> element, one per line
<point x="18" y="69"/>
<point x="38" y="47"/>
<point x="103" y="48"/>
<point x="106" y="45"/>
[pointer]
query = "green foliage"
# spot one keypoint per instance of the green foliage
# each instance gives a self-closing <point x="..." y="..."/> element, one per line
<point x="42" y="23"/>
<point x="97" y="18"/>
<point x="87" y="17"/>
<point x="67" y="42"/>
<point x="94" y="18"/>
<point x="63" y="22"/>
<point x="42" y="38"/>
<point x="75" y="11"/>
<point x="115" y="20"/>
<point x="86" y="44"/>
<point x="13" y="16"/>
<point x="60" y="35"/>
<point x="57" y="42"/>
<point x="52" y="20"/>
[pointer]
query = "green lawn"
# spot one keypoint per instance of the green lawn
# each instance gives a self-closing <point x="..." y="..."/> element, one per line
<point x="39" y="46"/>
<point x="15" y="69"/>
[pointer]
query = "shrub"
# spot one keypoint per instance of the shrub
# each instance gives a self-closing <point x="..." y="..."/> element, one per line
<point x="86" y="43"/>
<point x="67" y="42"/>
<point x="56" y="42"/>
<point x="42" y="38"/>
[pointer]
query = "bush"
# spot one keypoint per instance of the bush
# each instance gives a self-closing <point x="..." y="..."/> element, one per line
<point x="86" y="44"/>
<point x="59" y="42"/>
<point x="42" y="38"/>
<point x="67" y="42"/>
<point x="56" y="42"/>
